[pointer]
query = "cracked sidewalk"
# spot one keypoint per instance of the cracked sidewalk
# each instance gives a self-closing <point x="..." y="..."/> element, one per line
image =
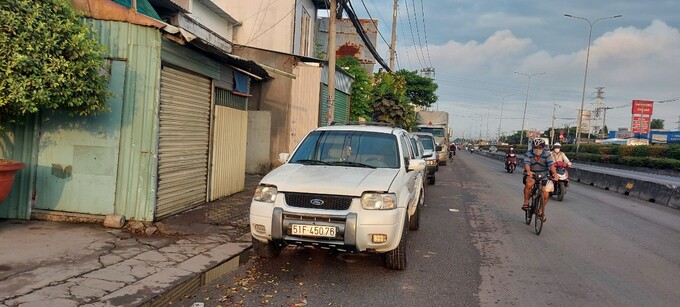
<point x="64" y="264"/>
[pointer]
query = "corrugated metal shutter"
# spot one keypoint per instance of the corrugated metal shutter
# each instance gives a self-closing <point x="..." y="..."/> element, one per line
<point x="183" y="142"/>
<point x="341" y="114"/>
<point x="341" y="110"/>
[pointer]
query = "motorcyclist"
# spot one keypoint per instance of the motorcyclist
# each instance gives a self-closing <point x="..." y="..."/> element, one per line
<point x="510" y="153"/>
<point x="538" y="161"/>
<point x="452" y="150"/>
<point x="558" y="155"/>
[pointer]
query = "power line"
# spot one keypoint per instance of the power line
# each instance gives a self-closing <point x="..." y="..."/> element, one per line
<point x="413" y="39"/>
<point x="427" y="45"/>
<point x="415" y="19"/>
<point x="401" y="26"/>
<point x="376" y="26"/>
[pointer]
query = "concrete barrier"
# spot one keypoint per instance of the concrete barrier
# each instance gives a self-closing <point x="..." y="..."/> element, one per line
<point x="667" y="195"/>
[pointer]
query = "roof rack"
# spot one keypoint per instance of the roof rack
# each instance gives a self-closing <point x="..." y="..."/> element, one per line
<point x="362" y="123"/>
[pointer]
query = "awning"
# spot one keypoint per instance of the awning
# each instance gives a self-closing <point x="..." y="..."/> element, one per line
<point x="248" y="67"/>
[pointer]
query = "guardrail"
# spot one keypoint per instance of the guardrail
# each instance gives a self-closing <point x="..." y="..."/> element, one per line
<point x="662" y="194"/>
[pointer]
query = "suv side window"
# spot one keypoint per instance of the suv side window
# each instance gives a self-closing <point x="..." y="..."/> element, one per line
<point x="405" y="147"/>
<point x="414" y="144"/>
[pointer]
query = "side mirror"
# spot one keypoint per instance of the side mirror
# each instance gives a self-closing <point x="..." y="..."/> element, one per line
<point x="439" y="148"/>
<point x="416" y="165"/>
<point x="283" y="157"/>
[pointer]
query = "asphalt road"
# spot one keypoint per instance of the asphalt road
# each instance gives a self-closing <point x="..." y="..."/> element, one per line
<point x="597" y="248"/>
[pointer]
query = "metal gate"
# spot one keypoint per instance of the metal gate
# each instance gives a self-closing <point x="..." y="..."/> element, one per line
<point x="183" y="144"/>
<point x="229" y="144"/>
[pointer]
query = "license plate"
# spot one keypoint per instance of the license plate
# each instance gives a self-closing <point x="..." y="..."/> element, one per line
<point x="313" y="231"/>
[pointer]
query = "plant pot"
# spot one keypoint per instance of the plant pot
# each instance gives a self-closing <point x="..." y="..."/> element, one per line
<point x="8" y="168"/>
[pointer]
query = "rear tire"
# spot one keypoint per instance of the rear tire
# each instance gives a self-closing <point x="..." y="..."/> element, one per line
<point x="266" y="250"/>
<point x="563" y="191"/>
<point x="396" y="258"/>
<point x="414" y="221"/>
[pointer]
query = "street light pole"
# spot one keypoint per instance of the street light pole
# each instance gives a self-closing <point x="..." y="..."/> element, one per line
<point x="526" y="100"/>
<point x="552" y="127"/>
<point x="585" y="74"/>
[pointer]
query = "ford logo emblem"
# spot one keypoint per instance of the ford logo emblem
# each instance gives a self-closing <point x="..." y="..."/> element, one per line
<point x="316" y="202"/>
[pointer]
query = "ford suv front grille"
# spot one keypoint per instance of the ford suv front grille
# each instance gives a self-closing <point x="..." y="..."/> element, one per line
<point x="315" y="201"/>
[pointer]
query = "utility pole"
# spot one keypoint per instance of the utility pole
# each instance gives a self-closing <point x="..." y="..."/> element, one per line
<point x="394" y="34"/>
<point x="500" y="121"/>
<point x="331" y="62"/>
<point x="604" y="120"/>
<point x="552" y="127"/>
<point x="678" y="122"/>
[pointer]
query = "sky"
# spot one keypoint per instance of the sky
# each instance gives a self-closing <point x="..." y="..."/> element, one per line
<point x="477" y="46"/>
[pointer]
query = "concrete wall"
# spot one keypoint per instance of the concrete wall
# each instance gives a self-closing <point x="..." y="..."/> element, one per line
<point x="263" y="25"/>
<point x="259" y="135"/>
<point x="275" y="96"/>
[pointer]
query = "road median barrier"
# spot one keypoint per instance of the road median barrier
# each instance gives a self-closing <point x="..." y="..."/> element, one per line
<point x="658" y="193"/>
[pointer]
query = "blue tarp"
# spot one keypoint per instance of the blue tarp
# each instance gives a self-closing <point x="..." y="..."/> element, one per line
<point x="240" y="84"/>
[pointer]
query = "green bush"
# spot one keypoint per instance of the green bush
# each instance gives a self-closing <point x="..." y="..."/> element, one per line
<point x="49" y="60"/>
<point x="672" y="152"/>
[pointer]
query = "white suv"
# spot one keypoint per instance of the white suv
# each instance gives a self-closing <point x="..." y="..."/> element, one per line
<point x="351" y="188"/>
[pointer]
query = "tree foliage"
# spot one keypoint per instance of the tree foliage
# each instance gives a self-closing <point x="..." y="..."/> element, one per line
<point x="360" y="99"/>
<point x="390" y="103"/>
<point x="420" y="90"/>
<point x="49" y="60"/>
<point x="656" y="124"/>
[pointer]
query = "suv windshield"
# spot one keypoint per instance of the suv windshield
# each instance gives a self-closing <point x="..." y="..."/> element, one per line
<point x="348" y="148"/>
<point x="434" y="131"/>
<point x="428" y="142"/>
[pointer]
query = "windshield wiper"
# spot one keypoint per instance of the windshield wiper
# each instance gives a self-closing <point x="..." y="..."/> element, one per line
<point x="355" y="164"/>
<point x="312" y="162"/>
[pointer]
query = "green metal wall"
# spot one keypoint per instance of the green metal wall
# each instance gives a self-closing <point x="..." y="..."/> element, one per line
<point x="140" y="47"/>
<point x="341" y="112"/>
<point x="19" y="142"/>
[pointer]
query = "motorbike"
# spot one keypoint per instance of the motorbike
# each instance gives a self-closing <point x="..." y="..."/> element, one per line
<point x="510" y="162"/>
<point x="562" y="182"/>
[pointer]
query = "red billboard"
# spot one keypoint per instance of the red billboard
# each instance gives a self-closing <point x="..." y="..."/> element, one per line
<point x="643" y="107"/>
<point x="641" y="124"/>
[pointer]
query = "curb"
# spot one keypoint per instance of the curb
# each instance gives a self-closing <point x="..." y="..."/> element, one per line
<point x="665" y="195"/>
<point x="191" y="283"/>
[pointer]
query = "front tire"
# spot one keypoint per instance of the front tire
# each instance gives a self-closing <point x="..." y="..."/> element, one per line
<point x="396" y="258"/>
<point x="266" y="250"/>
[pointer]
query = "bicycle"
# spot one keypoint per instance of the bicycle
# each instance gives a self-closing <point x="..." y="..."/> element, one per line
<point x="535" y="200"/>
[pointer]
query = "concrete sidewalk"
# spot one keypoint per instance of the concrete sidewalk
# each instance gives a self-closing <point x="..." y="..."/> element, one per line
<point x="46" y="263"/>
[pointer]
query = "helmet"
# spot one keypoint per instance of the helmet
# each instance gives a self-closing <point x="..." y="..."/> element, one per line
<point x="557" y="145"/>
<point x="538" y="142"/>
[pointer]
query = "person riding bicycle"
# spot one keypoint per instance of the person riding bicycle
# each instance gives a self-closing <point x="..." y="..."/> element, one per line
<point x="538" y="161"/>
<point x="559" y="156"/>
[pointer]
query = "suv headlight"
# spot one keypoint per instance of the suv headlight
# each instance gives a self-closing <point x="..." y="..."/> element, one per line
<point x="378" y="201"/>
<point x="265" y="193"/>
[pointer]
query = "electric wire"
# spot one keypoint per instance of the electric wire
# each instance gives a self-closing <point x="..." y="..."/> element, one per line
<point x="427" y="45"/>
<point x="376" y="26"/>
<point x="413" y="39"/>
<point x="272" y="26"/>
<point x="415" y="19"/>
